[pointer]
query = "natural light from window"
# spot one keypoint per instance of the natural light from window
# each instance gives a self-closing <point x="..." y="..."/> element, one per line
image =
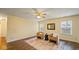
<point x="66" y="27"/>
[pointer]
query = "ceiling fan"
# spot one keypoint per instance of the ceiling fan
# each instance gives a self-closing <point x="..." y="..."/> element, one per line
<point x="39" y="13"/>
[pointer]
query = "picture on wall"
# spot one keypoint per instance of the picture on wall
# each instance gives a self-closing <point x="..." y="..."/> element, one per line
<point x="51" y="26"/>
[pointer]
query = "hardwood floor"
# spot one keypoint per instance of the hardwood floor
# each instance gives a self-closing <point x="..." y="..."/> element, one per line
<point x="22" y="45"/>
<point x="68" y="45"/>
<point x="19" y="45"/>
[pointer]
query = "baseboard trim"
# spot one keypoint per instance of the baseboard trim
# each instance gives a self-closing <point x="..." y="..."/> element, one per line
<point x="69" y="41"/>
<point x="28" y="38"/>
<point x="22" y="39"/>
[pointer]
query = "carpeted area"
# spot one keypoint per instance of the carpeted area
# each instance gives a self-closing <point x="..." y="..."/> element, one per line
<point x="41" y="44"/>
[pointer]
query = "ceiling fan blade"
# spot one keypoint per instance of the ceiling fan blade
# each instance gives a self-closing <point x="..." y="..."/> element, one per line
<point x="43" y="16"/>
<point x="39" y="13"/>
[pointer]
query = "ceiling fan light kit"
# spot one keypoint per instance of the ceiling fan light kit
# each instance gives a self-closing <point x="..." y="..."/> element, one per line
<point x="38" y="17"/>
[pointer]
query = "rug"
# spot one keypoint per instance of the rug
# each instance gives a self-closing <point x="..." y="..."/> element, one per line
<point x="41" y="44"/>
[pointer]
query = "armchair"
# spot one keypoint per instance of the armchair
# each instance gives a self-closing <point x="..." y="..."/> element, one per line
<point x="53" y="38"/>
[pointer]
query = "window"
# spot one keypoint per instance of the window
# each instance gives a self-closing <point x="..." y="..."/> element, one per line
<point x="42" y="27"/>
<point x="66" y="27"/>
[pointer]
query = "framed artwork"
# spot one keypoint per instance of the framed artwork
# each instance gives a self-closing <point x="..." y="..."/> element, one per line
<point x="51" y="26"/>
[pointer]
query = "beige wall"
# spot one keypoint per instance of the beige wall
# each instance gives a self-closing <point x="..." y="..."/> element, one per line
<point x="75" y="29"/>
<point x="3" y="27"/>
<point x="19" y="28"/>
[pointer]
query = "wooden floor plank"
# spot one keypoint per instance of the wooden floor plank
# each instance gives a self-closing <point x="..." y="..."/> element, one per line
<point x="22" y="45"/>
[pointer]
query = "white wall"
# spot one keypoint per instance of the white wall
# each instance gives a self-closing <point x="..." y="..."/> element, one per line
<point x="75" y="27"/>
<point x="19" y="28"/>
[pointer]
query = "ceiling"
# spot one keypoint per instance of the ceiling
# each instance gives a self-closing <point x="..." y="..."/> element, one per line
<point x="51" y="13"/>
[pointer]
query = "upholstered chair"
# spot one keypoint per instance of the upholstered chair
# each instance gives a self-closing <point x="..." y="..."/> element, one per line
<point x="40" y="35"/>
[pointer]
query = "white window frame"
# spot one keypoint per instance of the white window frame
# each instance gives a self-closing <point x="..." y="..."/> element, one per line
<point x="64" y="24"/>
